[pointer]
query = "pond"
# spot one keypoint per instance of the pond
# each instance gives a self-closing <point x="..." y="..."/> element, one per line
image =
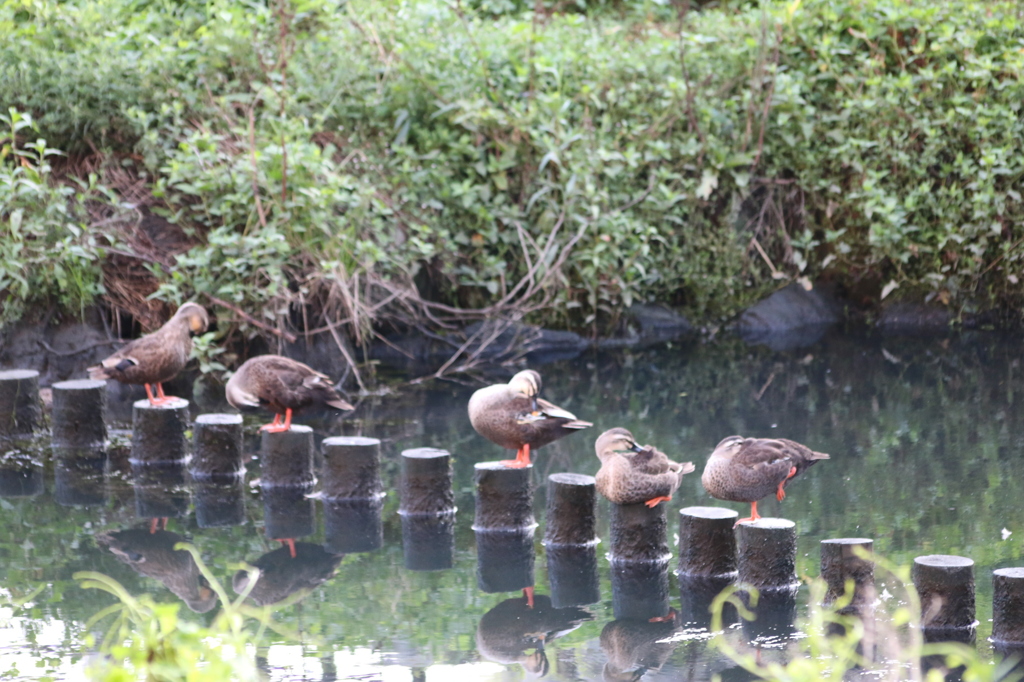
<point x="926" y="443"/>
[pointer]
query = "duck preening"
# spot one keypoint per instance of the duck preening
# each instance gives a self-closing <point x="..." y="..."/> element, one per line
<point x="157" y="357"/>
<point x="748" y="469"/>
<point x="632" y="473"/>
<point x="513" y="416"/>
<point x="281" y="385"/>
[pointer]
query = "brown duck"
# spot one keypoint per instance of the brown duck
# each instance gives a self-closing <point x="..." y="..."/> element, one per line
<point x="151" y="553"/>
<point x="748" y="469"/>
<point x="281" y="385"/>
<point x="516" y="418"/>
<point x="631" y="473"/>
<point x="157" y="357"/>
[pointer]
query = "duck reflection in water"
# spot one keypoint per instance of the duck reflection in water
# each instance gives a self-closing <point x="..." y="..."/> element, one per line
<point x="512" y="628"/>
<point x="152" y="554"/>
<point x="279" y="575"/>
<point x="634" y="647"/>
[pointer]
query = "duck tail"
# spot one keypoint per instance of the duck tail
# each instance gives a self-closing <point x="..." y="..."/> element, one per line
<point x="98" y="373"/>
<point x="577" y="424"/>
<point x="687" y="468"/>
<point x="815" y="456"/>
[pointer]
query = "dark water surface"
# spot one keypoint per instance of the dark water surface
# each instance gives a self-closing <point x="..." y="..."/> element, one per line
<point x="927" y="446"/>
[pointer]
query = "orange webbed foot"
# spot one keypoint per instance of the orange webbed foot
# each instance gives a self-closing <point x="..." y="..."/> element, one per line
<point x="780" y="494"/>
<point x="522" y="458"/>
<point x="288" y="542"/>
<point x="654" y="502"/>
<point x="664" y="619"/>
<point x="528" y="593"/>
<point x="754" y="516"/>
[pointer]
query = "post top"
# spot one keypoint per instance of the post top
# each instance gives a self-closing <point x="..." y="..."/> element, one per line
<point x="16" y="374"/>
<point x="79" y="385"/>
<point x="172" y="404"/>
<point x="294" y="428"/>
<point x="944" y="561"/>
<point x="769" y="523"/>
<point x="1015" y="572"/>
<point x="848" y="541"/>
<point x="218" y="418"/>
<point x="709" y="512"/>
<point x="498" y="466"/>
<point x="425" y="453"/>
<point x="572" y="479"/>
<point x="356" y="441"/>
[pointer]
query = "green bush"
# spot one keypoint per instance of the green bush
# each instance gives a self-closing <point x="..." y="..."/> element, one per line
<point x="597" y="157"/>
<point x="48" y="254"/>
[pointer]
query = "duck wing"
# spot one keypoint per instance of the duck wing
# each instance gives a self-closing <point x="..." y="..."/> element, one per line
<point x="547" y="410"/>
<point x="774" y="458"/>
<point x="289" y="383"/>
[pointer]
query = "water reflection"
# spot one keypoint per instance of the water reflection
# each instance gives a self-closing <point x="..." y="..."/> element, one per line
<point x="516" y="632"/>
<point x="926" y="437"/>
<point x="634" y="647"/>
<point x="281" y="574"/>
<point x="152" y="554"/>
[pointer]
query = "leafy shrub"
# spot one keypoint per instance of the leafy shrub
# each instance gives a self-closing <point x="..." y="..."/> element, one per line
<point x="578" y="161"/>
<point x="48" y="254"/>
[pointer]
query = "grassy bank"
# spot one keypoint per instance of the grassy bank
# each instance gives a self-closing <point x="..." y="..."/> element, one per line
<point x="314" y="165"/>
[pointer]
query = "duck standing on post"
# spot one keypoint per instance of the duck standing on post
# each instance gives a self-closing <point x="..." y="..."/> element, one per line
<point x="631" y="473"/>
<point x="281" y="385"/>
<point x="513" y="416"/>
<point x="157" y="357"/>
<point x="748" y="469"/>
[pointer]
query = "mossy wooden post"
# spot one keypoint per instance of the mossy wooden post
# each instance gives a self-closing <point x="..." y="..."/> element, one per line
<point x="79" y="414"/>
<point x="217" y="447"/>
<point x="842" y="560"/>
<point x="351" y="468"/>
<point x="21" y="413"/>
<point x="766" y="561"/>
<point x="945" y="584"/>
<point x="504" y="498"/>
<point x="707" y="542"/>
<point x="286" y="458"/>
<point x="638" y="533"/>
<point x="158" y="432"/>
<point x="571" y="518"/>
<point x="426" y="486"/>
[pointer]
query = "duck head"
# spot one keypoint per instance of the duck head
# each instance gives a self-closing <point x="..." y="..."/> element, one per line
<point x="614" y="441"/>
<point x="728" y="447"/>
<point x="195" y="316"/>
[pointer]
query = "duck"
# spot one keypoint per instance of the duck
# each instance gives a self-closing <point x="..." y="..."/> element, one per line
<point x="157" y="357"/>
<point x="749" y="469"/>
<point x="513" y="416"/>
<point x="636" y="647"/>
<point x="281" y="573"/>
<point x="151" y="553"/>
<point x="632" y="473"/>
<point x="517" y="631"/>
<point x="283" y="385"/>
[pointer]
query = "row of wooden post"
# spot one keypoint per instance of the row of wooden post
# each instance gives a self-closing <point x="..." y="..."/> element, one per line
<point x="711" y="554"/>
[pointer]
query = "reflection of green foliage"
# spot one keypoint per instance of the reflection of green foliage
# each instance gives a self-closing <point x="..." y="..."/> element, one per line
<point x="925" y="451"/>
<point x="149" y="641"/>
<point x="837" y="642"/>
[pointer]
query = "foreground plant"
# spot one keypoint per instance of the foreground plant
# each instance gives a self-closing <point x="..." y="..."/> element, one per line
<point x="884" y="642"/>
<point x="149" y="641"/>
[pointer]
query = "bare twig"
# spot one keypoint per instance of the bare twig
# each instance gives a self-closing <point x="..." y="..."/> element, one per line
<point x="288" y="336"/>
